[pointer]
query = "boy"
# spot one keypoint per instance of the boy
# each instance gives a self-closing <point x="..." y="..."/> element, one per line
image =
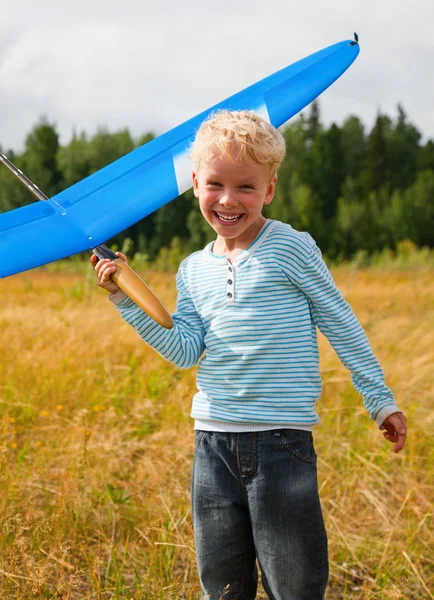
<point x="253" y="299"/>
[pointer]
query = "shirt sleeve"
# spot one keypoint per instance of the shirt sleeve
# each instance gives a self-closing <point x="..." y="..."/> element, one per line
<point x="337" y="321"/>
<point x="183" y="345"/>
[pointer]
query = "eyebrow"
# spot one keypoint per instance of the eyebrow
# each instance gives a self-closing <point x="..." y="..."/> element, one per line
<point x="250" y="180"/>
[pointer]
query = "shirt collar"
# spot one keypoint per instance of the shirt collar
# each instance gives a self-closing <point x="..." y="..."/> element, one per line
<point x="244" y="254"/>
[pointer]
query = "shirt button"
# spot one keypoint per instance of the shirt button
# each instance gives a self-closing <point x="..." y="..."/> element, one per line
<point x="229" y="295"/>
<point x="230" y="269"/>
<point x="230" y="281"/>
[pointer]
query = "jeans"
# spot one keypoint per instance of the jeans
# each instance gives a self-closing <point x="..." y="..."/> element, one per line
<point x="255" y="497"/>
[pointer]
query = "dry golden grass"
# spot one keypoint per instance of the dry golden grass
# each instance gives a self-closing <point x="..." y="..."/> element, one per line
<point x="96" y="448"/>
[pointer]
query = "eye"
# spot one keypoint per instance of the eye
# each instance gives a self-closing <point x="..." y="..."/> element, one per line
<point x="247" y="186"/>
<point x="214" y="184"/>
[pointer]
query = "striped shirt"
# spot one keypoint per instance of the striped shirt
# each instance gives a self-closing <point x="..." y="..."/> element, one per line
<point x="256" y="321"/>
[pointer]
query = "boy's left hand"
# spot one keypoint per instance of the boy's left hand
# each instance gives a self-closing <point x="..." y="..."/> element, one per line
<point x="396" y="429"/>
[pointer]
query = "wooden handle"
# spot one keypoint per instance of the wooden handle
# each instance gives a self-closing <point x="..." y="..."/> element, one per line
<point x="136" y="289"/>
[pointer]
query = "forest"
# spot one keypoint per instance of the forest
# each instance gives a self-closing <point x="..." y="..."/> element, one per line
<point x="352" y="189"/>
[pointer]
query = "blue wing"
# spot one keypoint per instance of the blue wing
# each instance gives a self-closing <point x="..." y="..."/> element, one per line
<point x="119" y="195"/>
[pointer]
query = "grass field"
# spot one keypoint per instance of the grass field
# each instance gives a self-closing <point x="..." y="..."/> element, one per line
<point x="96" y="447"/>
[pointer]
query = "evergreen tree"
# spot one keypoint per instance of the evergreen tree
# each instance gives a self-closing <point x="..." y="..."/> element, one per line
<point x="13" y="193"/>
<point x="104" y="148"/>
<point x="40" y="159"/>
<point x="144" y="139"/>
<point x="418" y="209"/>
<point x="376" y="173"/>
<point x="323" y="170"/>
<point x="403" y="152"/>
<point x="354" y="150"/>
<point x="426" y="156"/>
<point x="74" y="159"/>
<point x="313" y="123"/>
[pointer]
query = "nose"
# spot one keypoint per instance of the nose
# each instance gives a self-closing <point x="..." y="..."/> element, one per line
<point x="228" y="199"/>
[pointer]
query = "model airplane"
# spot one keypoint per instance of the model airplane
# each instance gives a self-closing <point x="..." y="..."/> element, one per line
<point x="124" y="192"/>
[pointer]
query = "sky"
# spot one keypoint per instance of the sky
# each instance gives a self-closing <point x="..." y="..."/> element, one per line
<point x="149" y="65"/>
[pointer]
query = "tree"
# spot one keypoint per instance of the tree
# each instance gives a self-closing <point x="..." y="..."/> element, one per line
<point x="360" y="225"/>
<point x="403" y="152"/>
<point x="313" y="123"/>
<point x="353" y="141"/>
<point x="426" y="156"/>
<point x="74" y="159"/>
<point x="104" y="148"/>
<point x="144" y="139"/>
<point x="376" y="173"/>
<point x="418" y="209"/>
<point x="13" y="193"/>
<point x="395" y="218"/>
<point x="323" y="169"/>
<point x="40" y="158"/>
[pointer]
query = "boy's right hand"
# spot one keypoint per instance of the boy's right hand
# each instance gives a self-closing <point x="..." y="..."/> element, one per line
<point x="104" y="269"/>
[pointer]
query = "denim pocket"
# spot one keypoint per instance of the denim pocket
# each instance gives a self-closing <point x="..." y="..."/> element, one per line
<point x="199" y="437"/>
<point x="298" y="443"/>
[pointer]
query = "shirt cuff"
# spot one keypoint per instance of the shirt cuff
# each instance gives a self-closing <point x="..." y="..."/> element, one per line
<point x="385" y="412"/>
<point x="118" y="297"/>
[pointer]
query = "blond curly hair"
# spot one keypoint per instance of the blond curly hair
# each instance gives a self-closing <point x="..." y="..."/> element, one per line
<point x="237" y="135"/>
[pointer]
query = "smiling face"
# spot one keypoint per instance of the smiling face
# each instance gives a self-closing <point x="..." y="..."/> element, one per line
<point x="231" y="197"/>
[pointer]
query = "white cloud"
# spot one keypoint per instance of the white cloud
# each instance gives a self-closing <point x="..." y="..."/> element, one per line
<point x="149" y="66"/>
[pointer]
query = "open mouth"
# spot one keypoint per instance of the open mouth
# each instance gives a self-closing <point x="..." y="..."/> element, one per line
<point x="228" y="219"/>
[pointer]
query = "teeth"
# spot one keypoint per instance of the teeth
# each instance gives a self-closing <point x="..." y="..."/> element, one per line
<point x="226" y="218"/>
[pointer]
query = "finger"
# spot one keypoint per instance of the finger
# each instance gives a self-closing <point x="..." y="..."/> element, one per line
<point x="101" y="261"/>
<point x="395" y="430"/>
<point x="396" y="438"/>
<point x="99" y="267"/>
<point x="124" y="258"/>
<point x="93" y="259"/>
<point x="107" y="272"/>
<point x="401" y="442"/>
<point x="105" y="268"/>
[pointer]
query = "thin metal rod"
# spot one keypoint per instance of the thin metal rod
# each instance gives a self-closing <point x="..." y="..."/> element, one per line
<point x="101" y="251"/>
<point x="20" y="175"/>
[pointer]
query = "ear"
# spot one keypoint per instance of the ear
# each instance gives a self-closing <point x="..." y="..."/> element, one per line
<point x="195" y="184"/>
<point x="270" y="190"/>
